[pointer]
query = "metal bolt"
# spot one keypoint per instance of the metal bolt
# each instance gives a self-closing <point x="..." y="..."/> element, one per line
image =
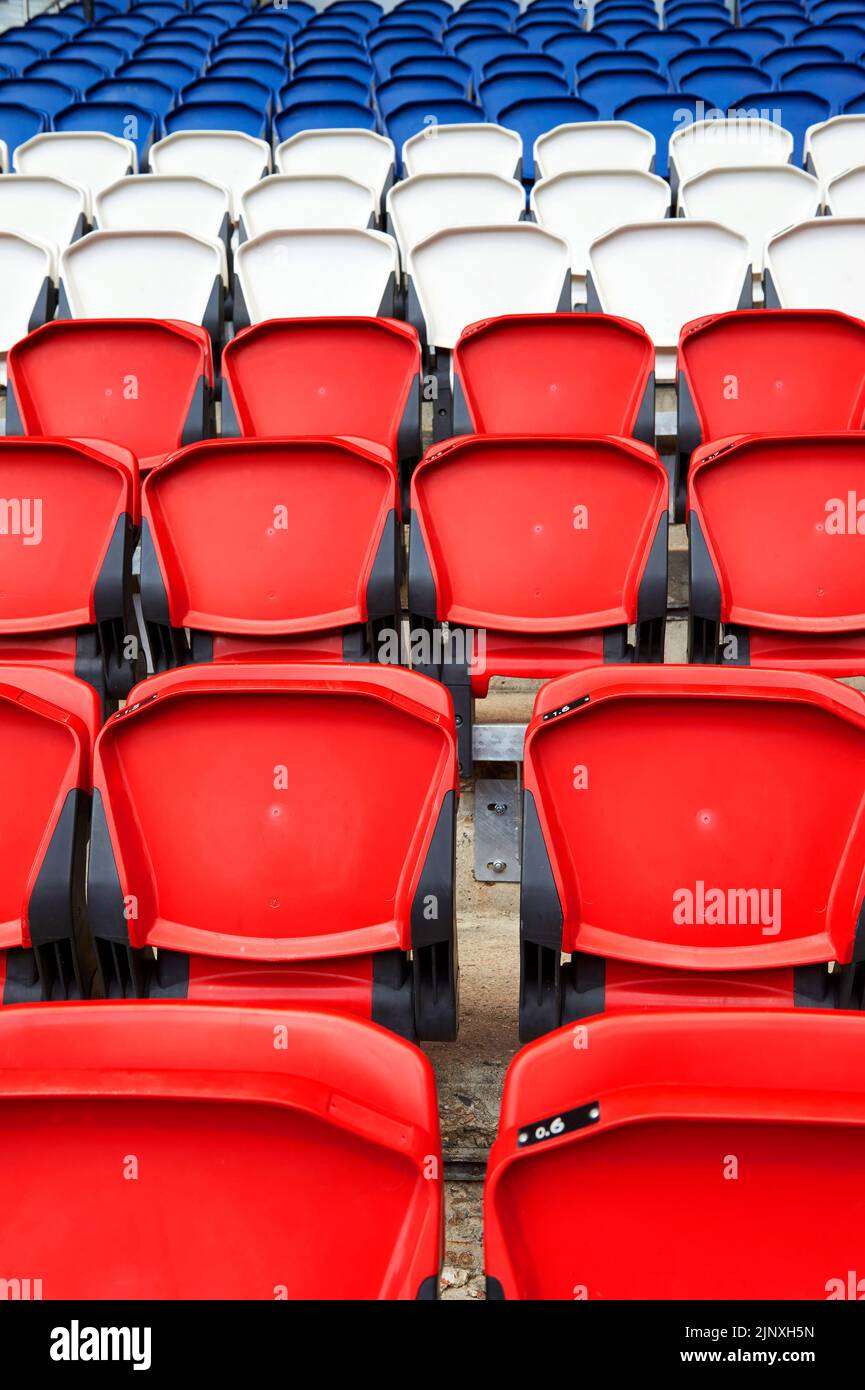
<point x="499" y="807"/>
<point x="498" y="865"/>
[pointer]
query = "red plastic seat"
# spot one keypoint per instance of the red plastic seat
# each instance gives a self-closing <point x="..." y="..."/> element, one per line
<point x="329" y="376"/>
<point x="48" y="723"/>
<point x="538" y="552"/>
<point x="767" y="371"/>
<point x="322" y="1169"/>
<point x="777" y="552"/>
<point x="270" y="549"/>
<point x="143" y="383"/>
<point x="698" y="1150"/>
<point x="283" y="835"/>
<point x="67" y="521"/>
<point x="692" y="837"/>
<point x="565" y="374"/>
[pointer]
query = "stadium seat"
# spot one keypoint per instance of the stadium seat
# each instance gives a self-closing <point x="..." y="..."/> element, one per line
<point x="661" y="46"/>
<point x="690" y="891"/>
<point x="357" y="154"/>
<point x="134" y="274"/>
<point x="535" y="116"/>
<point x="262" y="70"/>
<point x="48" y="210"/>
<point x="108" y="56"/>
<point x="19" y="124"/>
<point x="718" y="144"/>
<point x="326" y="90"/>
<point x="118" y="118"/>
<point x="752" y="200"/>
<point x="549" y="586"/>
<point x="386" y="55"/>
<point x="464" y="149"/>
<point x="217" y="586"/>
<point x="304" y="272"/>
<point x="836" y="82"/>
<point x="426" y="203"/>
<point x="399" y="91"/>
<point x="662" y="116"/>
<point x="717" y="56"/>
<point x="48" y="723"/>
<point x="566" y="374"/>
<point x="781" y="61"/>
<point x="619" y="61"/>
<point x="776" y="581"/>
<point x="143" y="385"/>
<point x="314" y="377"/>
<point x="216" y="87"/>
<point x="169" y="73"/>
<point x="424" y="116"/>
<point x="776" y="371"/>
<point x="649" y="1109"/>
<point x="343" y="1111"/>
<point x="796" y="111"/>
<point x="845" y="37"/>
<point x="454" y="69"/>
<point x="528" y="64"/>
<point x="724" y="84"/>
<point x="663" y="274"/>
<point x="230" y="158"/>
<point x="845" y="195"/>
<point x="834" y="146"/>
<point x="92" y="160"/>
<point x="817" y="265"/>
<point x="26" y="286"/>
<point x="593" y="145"/>
<point x="496" y="94"/>
<point x="169" y="202"/>
<point x="607" y="91"/>
<point x="580" y="207"/>
<point x="143" y="92"/>
<point x="66" y="563"/>
<point x="572" y="47"/>
<point x="77" y="74"/>
<point x="15" y="57"/>
<point x="44" y="94"/>
<point x="330" y="900"/>
<point x="315" y="115"/>
<point x="285" y="201"/>
<point x="232" y="117"/>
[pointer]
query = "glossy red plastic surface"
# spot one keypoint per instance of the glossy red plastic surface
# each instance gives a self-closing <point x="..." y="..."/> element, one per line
<point x="278" y="1154"/>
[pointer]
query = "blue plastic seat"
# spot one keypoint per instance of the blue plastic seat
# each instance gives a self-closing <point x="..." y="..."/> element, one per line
<point x="139" y="23"/>
<point x="207" y="24"/>
<point x="573" y="49"/>
<point x="442" y="8"/>
<point x="161" y="11"/>
<point x="795" y="111"/>
<point x="782" y="60"/>
<point x="358" y="69"/>
<point x="836" y="81"/>
<point x="621" y="30"/>
<point x="182" y="33"/>
<point x="269" y="75"/>
<point x="725" y="85"/>
<point x="501" y="92"/>
<point x="483" y="48"/>
<point x="40" y="93"/>
<point x="443" y="66"/>
<point x="845" y="38"/>
<point x="620" y="60"/>
<point x="213" y="89"/>
<point x="640" y="14"/>
<point x="723" y="56"/>
<point x="165" y="70"/>
<point x="16" y="56"/>
<point x="291" y="13"/>
<point x="147" y="92"/>
<point x="400" y="91"/>
<point x="314" y="49"/>
<point x="124" y="40"/>
<point x="707" y="30"/>
<point x="788" y="25"/>
<point x="316" y="115"/>
<point x="119" y="118"/>
<point x="388" y="55"/>
<point x="661" y="116"/>
<point x="327" y="89"/>
<point x="19" y="123"/>
<point x="494" y="21"/>
<point x="537" y="115"/>
<point x="43" y="40"/>
<point x="64" y="23"/>
<point x="828" y="10"/>
<point x="229" y="10"/>
<point x="683" y="10"/>
<point x="415" y="116"/>
<point x="371" y="11"/>
<point x="753" y="44"/>
<point x="74" y="73"/>
<point x="392" y="33"/>
<point x="217" y="115"/>
<point x="190" y="58"/>
<point x="608" y="90"/>
<point x="661" y="45"/>
<point x="767" y="11"/>
<point x="526" y="63"/>
<point x="453" y="41"/>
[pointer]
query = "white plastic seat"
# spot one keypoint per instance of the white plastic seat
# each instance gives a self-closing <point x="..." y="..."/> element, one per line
<point x="583" y="145"/>
<point x="756" y="202"/>
<point x="662" y="274"/>
<point x="228" y="157"/>
<point x="314" y="272"/>
<point x="845" y="195"/>
<point x="164" y="202"/>
<point x="49" y="210"/>
<point x="464" y="149"/>
<point x="150" y="274"/>
<point x="720" y="143"/>
<point x="469" y="273"/>
<point x="581" y="207"/>
<point x="832" y="147"/>
<point x="818" y="264"/>
<point x="427" y="203"/>
<point x="91" y="159"/>
<point x="25" y="284"/>
<point x="356" y="154"/>
<point x="284" y="201"/>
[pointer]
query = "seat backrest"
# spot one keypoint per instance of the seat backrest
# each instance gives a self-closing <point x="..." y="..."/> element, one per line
<point x="372" y="737"/>
<point x="567" y="374"/>
<point x="148" y="92"/>
<point x="168" y="71"/>
<point x="40" y="93"/>
<point x="535" y="116"/>
<point x="593" y="145"/>
<point x="414" y="117"/>
<point x="711" y="876"/>
<point x="464" y="149"/>
<point x="724" y="84"/>
<point x="234" y="117"/>
<point x="583" y="568"/>
<point x="19" y="124"/>
<point x="178" y="202"/>
<point x="316" y="115"/>
<point x="26" y="274"/>
<point x="140" y="384"/>
<point x="320" y="376"/>
<point x="662" y="116"/>
<point x="845" y="195"/>
<point x="468" y="273"/>
<point x="426" y="203"/>
<point x="755" y="201"/>
<point x="497" y="93"/>
<point x="581" y="207"/>
<point x="832" y="147"/>
<point x="607" y="91"/>
<point x="399" y="90"/>
<point x="91" y="159"/>
<point x="324" y="89"/>
<point x="663" y="274"/>
<point x="358" y="154"/>
<point x="713" y="144"/>
<point x="47" y="209"/>
<point x="283" y="201"/>
<point x="303" y="271"/>
<point x="232" y="158"/>
<point x="817" y="265"/>
<point x="163" y="274"/>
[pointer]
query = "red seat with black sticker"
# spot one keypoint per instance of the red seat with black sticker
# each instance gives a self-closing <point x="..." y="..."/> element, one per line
<point x="68" y="513"/>
<point x="270" y="549"/>
<point x="692" y="837"/>
<point x="673" y="1131"/>
<point x="279" y="1154"/>
<point x="145" y="384"/>
<point x="538" y="553"/>
<point x="48" y="723"/>
<point x="776" y="528"/>
<point x="280" y="834"/>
